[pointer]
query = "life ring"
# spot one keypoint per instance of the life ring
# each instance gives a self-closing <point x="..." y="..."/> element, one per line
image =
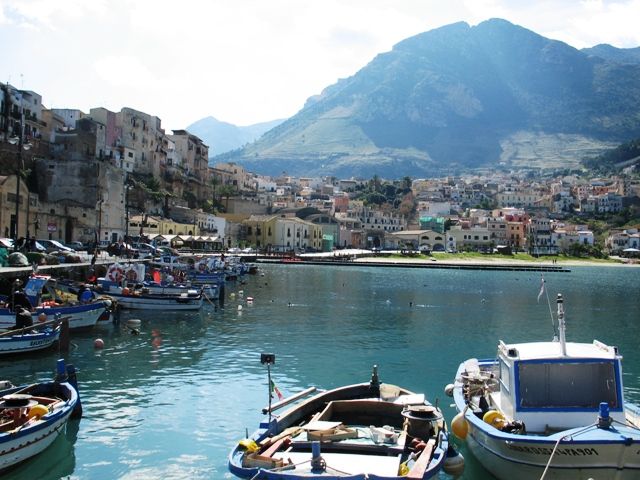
<point x="132" y="275"/>
<point x="494" y="418"/>
<point x="202" y="267"/>
<point x="115" y="273"/>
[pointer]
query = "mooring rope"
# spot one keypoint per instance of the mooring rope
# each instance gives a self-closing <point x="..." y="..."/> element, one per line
<point x="558" y="443"/>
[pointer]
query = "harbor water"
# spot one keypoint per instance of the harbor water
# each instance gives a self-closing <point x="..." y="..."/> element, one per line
<point x="171" y="401"/>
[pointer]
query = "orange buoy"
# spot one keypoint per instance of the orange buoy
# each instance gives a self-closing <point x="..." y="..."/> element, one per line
<point x="42" y="317"/>
<point x="460" y="426"/>
<point x="98" y="343"/>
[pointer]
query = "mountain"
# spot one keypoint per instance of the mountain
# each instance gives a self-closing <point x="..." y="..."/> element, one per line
<point x="621" y="157"/>
<point x="613" y="54"/>
<point x="222" y="136"/>
<point x="455" y="98"/>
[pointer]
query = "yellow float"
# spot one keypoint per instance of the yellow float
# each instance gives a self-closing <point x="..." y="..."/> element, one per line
<point x="495" y="419"/>
<point x="459" y="426"/>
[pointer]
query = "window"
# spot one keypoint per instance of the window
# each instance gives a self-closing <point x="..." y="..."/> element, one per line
<point x="567" y="385"/>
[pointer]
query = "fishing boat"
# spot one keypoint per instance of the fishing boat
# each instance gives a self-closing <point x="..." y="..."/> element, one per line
<point x="82" y="315"/>
<point x="32" y="416"/>
<point x="136" y="278"/>
<point x="15" y="342"/>
<point x="548" y="410"/>
<point x="141" y="299"/>
<point x="364" y="431"/>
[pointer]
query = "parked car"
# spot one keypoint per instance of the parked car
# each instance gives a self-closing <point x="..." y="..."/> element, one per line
<point x="146" y="250"/>
<point x="121" y="250"/>
<point x="8" y="244"/>
<point x="53" y="246"/>
<point x="77" y="246"/>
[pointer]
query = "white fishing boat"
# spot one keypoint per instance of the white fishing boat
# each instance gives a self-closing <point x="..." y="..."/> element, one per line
<point x="139" y="299"/>
<point x="549" y="410"/>
<point x="82" y="315"/>
<point x="12" y="343"/>
<point x="32" y="416"/>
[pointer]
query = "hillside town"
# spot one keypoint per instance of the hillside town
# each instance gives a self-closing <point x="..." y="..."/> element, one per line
<point x="106" y="176"/>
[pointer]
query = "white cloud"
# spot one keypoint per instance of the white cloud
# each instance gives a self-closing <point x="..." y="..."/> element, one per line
<point x="246" y="61"/>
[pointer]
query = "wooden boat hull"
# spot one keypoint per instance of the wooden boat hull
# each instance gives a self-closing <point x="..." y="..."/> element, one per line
<point x="584" y="452"/>
<point x="367" y="461"/>
<point x="23" y="442"/>
<point x="28" y="342"/>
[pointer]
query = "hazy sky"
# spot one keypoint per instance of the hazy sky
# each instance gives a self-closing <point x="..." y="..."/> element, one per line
<point x="246" y="61"/>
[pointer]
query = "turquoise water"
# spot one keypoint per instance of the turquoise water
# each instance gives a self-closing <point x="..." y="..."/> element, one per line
<point x="171" y="402"/>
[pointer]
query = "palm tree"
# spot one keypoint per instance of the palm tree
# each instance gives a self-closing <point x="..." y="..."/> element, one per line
<point x="227" y="191"/>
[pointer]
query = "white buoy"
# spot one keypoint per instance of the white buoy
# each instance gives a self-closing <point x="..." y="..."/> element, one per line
<point x="448" y="390"/>
<point x="98" y="343"/>
<point x="249" y="299"/>
<point x="239" y="307"/>
<point x="134" y="322"/>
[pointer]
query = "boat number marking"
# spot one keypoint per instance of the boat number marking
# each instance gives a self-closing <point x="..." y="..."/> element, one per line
<point x="575" y="452"/>
<point x="38" y="342"/>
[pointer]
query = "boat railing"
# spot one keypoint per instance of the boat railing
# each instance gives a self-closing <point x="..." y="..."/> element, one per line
<point x="37" y="326"/>
<point x="288" y="400"/>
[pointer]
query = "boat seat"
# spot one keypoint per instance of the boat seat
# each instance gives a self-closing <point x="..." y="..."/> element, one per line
<point x="363" y="412"/>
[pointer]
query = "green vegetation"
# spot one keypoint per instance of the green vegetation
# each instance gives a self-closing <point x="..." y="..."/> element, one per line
<point x="616" y="158"/>
<point x="395" y="195"/>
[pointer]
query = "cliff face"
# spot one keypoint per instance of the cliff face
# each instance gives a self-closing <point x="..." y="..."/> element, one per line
<point x="453" y="98"/>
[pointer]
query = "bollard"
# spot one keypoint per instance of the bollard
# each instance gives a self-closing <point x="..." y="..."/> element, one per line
<point x="63" y="341"/>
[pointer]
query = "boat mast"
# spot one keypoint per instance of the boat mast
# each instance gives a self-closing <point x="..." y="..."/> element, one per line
<point x="561" y="325"/>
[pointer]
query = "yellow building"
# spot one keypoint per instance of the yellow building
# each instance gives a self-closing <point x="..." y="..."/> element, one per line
<point x="148" y="225"/>
<point x="281" y="234"/>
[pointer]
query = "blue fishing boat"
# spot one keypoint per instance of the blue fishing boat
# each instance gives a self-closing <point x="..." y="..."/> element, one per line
<point x="548" y="410"/>
<point x="12" y="343"/>
<point x="32" y="416"/>
<point x="83" y="314"/>
<point x="364" y="431"/>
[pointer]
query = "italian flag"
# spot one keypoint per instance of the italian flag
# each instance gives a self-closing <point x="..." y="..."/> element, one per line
<point x="274" y="389"/>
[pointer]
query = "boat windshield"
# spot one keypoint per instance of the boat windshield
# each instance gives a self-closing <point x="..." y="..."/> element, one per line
<point x="567" y="385"/>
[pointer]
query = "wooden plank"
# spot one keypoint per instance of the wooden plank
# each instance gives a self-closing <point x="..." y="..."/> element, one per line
<point x="420" y="466"/>
<point x="273" y="448"/>
<point x="287" y="432"/>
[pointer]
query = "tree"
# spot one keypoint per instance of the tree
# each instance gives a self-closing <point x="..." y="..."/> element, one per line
<point x="227" y="191"/>
<point x="406" y="183"/>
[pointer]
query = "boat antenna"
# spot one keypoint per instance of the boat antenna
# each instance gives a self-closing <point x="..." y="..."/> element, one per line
<point x="268" y="359"/>
<point x="553" y="323"/>
<point x="561" y="325"/>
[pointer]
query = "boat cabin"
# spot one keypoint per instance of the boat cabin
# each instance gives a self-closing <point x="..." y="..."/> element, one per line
<point x="550" y="389"/>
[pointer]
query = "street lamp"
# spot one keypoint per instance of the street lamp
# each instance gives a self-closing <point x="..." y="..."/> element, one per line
<point x="13" y="140"/>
